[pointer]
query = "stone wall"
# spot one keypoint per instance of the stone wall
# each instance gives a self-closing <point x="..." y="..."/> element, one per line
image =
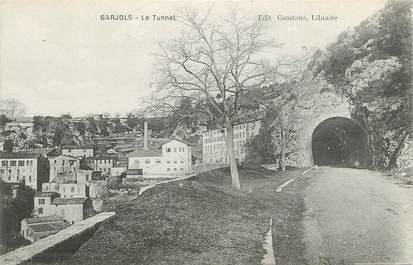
<point x="311" y="112"/>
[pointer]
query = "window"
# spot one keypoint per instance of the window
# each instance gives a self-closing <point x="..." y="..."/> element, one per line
<point x="1" y="171"/>
<point x="175" y="169"/>
<point x="13" y="163"/>
<point x="175" y="162"/>
<point x="4" y="163"/>
<point x="21" y="163"/>
<point x="168" y="150"/>
<point x="158" y="161"/>
<point x="42" y="201"/>
<point x="147" y="161"/>
<point x="168" y="161"/>
<point x="182" y="161"/>
<point x="174" y="150"/>
<point x="46" y="188"/>
<point x="72" y="189"/>
<point x="182" y="169"/>
<point x="168" y="169"/>
<point x="87" y="177"/>
<point x="40" y="210"/>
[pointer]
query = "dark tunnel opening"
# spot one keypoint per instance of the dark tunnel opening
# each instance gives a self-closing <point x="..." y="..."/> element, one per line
<point x="340" y="142"/>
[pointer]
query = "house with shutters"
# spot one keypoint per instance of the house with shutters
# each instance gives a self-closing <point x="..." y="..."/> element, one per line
<point x="174" y="158"/>
<point x="23" y="167"/>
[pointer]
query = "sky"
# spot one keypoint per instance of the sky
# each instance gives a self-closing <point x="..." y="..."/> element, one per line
<point x="59" y="56"/>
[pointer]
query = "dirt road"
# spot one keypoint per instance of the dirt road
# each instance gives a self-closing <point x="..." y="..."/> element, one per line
<point x="354" y="216"/>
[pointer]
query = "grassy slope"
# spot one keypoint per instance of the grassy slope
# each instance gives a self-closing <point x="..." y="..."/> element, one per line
<point x="203" y="221"/>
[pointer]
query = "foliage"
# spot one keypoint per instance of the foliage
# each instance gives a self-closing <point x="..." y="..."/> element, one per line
<point x="371" y="65"/>
<point x="3" y="120"/>
<point x="206" y="72"/>
<point x="260" y="149"/>
<point x="13" y="211"/>
<point x="8" y="146"/>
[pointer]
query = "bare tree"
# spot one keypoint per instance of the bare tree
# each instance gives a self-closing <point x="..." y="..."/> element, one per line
<point x="211" y="66"/>
<point x="12" y="108"/>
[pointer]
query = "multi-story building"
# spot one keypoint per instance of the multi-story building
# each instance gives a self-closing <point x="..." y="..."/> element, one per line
<point x="63" y="168"/>
<point x="71" y="210"/>
<point x="214" y="149"/>
<point x="67" y="190"/>
<point x="78" y="151"/>
<point x="103" y="163"/>
<point x="174" y="158"/>
<point x="19" y="167"/>
<point x="42" y="202"/>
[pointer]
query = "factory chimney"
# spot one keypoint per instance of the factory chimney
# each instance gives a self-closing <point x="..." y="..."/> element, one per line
<point x="145" y="135"/>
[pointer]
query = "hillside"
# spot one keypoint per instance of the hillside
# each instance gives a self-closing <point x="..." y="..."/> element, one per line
<point x="201" y="221"/>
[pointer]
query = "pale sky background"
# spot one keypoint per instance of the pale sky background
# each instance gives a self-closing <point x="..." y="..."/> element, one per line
<point x="57" y="56"/>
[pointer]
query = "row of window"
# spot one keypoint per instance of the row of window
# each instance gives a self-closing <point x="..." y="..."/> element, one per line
<point x="19" y="163"/>
<point x="179" y="149"/>
<point x="175" y="169"/>
<point x="104" y="161"/>
<point x="250" y="126"/>
<point x="221" y="154"/>
<point x="158" y="161"/>
<point x="2" y="170"/>
<point x="237" y="144"/>
<point x="29" y="179"/>
<point x="240" y="135"/>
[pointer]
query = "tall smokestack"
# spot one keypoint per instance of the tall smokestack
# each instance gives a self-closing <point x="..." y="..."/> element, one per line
<point x="145" y="135"/>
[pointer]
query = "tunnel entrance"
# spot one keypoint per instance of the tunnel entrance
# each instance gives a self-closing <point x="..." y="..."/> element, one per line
<point x="340" y="142"/>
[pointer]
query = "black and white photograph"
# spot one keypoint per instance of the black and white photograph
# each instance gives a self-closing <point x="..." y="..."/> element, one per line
<point x="231" y="132"/>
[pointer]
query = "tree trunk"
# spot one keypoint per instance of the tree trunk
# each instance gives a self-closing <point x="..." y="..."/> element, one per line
<point x="282" y="140"/>
<point x="282" y="159"/>
<point x="230" y="152"/>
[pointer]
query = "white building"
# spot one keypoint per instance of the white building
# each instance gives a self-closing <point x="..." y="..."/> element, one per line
<point x="174" y="158"/>
<point x="70" y="209"/>
<point x="19" y="167"/>
<point x="214" y="149"/>
<point x="67" y="190"/>
<point x="78" y="151"/>
<point x="42" y="203"/>
<point x="103" y="163"/>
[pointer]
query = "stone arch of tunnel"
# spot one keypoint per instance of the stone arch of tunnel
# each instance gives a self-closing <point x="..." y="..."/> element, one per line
<point x="340" y="141"/>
